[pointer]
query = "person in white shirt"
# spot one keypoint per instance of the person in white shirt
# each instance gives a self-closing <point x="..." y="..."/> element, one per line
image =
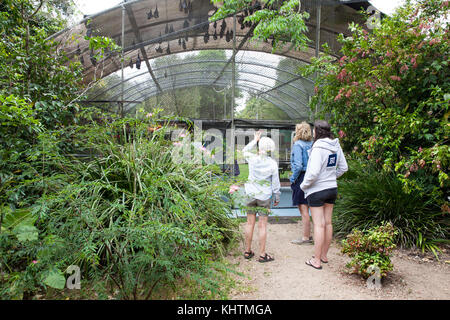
<point x="326" y="163"/>
<point x="263" y="181"/>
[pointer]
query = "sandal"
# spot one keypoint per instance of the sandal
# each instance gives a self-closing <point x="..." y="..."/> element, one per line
<point x="310" y="264"/>
<point x="265" y="258"/>
<point x="248" y="254"/>
<point x="323" y="261"/>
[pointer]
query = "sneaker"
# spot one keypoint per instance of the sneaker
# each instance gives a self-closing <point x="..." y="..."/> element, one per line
<point x="301" y="241"/>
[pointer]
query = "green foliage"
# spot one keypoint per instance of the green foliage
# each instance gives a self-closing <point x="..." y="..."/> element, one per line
<point x="257" y="108"/>
<point x="369" y="196"/>
<point x="388" y="95"/>
<point x="430" y="245"/>
<point x="281" y="21"/>
<point x="370" y="248"/>
<point x="129" y="216"/>
<point x="55" y="279"/>
<point x="136" y="219"/>
<point x="38" y="85"/>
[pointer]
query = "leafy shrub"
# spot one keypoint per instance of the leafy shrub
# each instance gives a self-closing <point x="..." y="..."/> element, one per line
<point x="369" y="196"/>
<point x="370" y="248"/>
<point x="137" y="218"/>
<point x="388" y="95"/>
<point x="133" y="219"/>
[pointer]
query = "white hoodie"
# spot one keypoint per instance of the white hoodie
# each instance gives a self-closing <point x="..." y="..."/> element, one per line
<point x="326" y="163"/>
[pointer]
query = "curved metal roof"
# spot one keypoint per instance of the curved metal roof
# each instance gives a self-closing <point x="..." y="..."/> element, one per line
<point x="153" y="29"/>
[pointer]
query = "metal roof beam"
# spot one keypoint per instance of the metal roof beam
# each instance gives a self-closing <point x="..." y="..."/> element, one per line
<point x="142" y="49"/>
<point x="252" y="63"/>
<point x="191" y="78"/>
<point x="305" y="93"/>
<point x="292" y="115"/>
<point x="204" y="82"/>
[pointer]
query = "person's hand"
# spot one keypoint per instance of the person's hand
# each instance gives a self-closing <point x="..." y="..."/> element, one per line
<point x="258" y="135"/>
<point x="276" y="203"/>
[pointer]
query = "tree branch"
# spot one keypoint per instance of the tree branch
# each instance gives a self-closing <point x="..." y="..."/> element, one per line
<point x="37" y="10"/>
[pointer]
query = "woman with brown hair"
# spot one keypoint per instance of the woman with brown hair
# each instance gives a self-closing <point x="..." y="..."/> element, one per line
<point x="299" y="162"/>
<point x="326" y="164"/>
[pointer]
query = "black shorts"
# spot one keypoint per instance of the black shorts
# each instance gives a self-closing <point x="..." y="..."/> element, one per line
<point x="318" y="199"/>
<point x="298" y="196"/>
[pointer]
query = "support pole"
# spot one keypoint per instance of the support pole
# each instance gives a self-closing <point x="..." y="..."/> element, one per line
<point x="122" y="60"/>
<point x="225" y="104"/>
<point x="233" y="94"/>
<point x="318" y="26"/>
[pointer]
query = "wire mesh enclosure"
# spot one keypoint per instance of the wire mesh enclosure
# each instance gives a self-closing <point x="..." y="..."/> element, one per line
<point x="175" y="58"/>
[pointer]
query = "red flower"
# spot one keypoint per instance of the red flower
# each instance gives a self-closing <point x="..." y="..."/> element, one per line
<point x="413" y="168"/>
<point x="404" y="68"/>
<point x="370" y="85"/>
<point x="433" y="41"/>
<point x="342" y="75"/>
<point x="395" y="78"/>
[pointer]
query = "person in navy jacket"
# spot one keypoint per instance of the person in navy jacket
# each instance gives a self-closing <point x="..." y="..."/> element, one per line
<point x="299" y="163"/>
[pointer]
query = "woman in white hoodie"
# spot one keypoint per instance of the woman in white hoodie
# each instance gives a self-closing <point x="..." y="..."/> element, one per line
<point x="326" y="163"/>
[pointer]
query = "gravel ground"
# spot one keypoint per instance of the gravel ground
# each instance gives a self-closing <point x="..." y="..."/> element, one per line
<point x="414" y="276"/>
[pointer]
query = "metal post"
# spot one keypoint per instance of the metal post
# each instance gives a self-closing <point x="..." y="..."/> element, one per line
<point x="225" y="104"/>
<point x="318" y="26"/>
<point x="233" y="93"/>
<point x="122" y="59"/>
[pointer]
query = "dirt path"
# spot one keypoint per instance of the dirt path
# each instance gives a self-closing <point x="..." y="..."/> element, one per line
<point x="289" y="278"/>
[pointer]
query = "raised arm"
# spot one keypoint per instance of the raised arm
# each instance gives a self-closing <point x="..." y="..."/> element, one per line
<point x="246" y="150"/>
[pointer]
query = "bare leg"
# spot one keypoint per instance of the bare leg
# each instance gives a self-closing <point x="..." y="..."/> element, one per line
<point x="328" y="213"/>
<point x="319" y="233"/>
<point x="305" y="221"/>
<point x="262" y="230"/>
<point x="249" y="227"/>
